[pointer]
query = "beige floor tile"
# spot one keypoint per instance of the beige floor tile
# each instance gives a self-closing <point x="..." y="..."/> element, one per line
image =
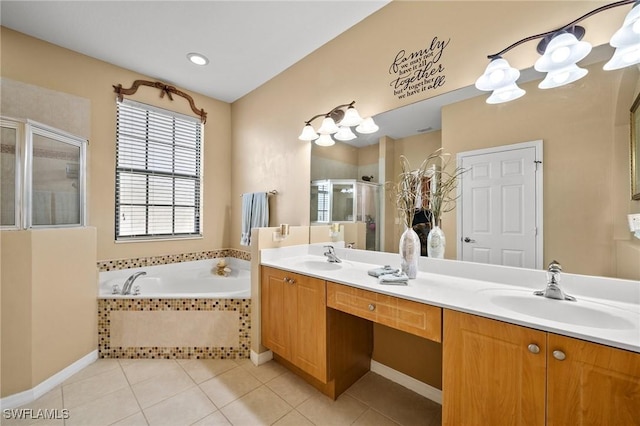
<point x="138" y="370"/>
<point x="160" y="387"/>
<point x="137" y="419"/>
<point x="394" y="401"/>
<point x="91" y="388"/>
<point x="229" y="386"/>
<point x="292" y="389"/>
<point x="293" y="418"/>
<point x="201" y="370"/>
<point x="258" y="407"/>
<point x="105" y="410"/>
<point x="215" y="419"/>
<point x="184" y="408"/>
<point x="24" y="417"/>
<point x="98" y="367"/>
<point x="264" y="372"/>
<point x="51" y="399"/>
<point x="321" y="410"/>
<point x="373" y="418"/>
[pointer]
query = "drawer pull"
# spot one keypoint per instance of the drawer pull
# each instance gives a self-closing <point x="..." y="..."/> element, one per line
<point x="559" y="355"/>
<point x="289" y="280"/>
<point x="533" y="348"/>
<point x="372" y="307"/>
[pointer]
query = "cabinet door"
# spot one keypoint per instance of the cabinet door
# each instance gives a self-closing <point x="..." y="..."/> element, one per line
<point x="309" y="327"/>
<point x="492" y="376"/>
<point x="278" y="309"/>
<point x="592" y="385"/>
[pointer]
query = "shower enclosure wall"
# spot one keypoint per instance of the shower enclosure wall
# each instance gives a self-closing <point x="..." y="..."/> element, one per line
<point x="348" y="201"/>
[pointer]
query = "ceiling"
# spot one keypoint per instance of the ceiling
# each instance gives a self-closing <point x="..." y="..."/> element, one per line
<point x="247" y="42"/>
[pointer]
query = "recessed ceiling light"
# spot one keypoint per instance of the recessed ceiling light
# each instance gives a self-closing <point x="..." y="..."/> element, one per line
<point x="197" y="59"/>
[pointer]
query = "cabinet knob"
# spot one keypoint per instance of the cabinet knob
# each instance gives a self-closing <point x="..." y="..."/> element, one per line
<point x="289" y="280"/>
<point x="559" y="355"/>
<point x="533" y="348"/>
<point x="372" y="307"/>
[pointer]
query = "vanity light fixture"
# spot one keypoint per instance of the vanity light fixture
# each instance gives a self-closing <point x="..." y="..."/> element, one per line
<point x="561" y="49"/>
<point x="338" y="122"/>
<point x="197" y="58"/>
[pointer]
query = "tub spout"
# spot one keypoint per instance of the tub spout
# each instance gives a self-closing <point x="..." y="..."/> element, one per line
<point x="126" y="289"/>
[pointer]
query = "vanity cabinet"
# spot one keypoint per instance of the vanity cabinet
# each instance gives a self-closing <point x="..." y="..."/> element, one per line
<point x="499" y="373"/>
<point x="328" y="348"/>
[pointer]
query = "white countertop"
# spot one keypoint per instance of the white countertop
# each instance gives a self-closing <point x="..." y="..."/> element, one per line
<point x="607" y="310"/>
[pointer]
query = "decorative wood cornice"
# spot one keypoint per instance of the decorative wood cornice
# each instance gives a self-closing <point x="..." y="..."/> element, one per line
<point x="164" y="89"/>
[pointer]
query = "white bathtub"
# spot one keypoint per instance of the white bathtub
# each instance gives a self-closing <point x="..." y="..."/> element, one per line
<point x="184" y="280"/>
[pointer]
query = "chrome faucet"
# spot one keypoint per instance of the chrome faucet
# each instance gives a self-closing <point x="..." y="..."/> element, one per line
<point x="331" y="255"/>
<point x="126" y="288"/>
<point x="553" y="290"/>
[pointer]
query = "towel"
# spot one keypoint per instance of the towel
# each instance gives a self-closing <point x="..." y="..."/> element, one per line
<point x="255" y="214"/>
<point x="386" y="269"/>
<point x="399" y="278"/>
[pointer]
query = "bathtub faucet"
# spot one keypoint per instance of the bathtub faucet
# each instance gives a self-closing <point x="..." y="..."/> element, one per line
<point x="126" y="289"/>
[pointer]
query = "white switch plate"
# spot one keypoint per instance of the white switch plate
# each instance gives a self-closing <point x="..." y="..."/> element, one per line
<point x="634" y="222"/>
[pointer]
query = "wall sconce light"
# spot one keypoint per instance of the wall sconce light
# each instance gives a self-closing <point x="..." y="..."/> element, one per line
<point x="561" y="49"/>
<point x="282" y="233"/>
<point x="338" y="122"/>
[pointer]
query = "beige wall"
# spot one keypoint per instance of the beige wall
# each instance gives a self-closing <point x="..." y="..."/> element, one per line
<point x="28" y="60"/>
<point x="49" y="313"/>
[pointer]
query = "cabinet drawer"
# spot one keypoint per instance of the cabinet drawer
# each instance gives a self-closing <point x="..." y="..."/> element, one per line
<point x="406" y="315"/>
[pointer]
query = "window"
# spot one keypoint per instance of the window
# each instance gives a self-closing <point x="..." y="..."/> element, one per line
<point x="51" y="191"/>
<point x="158" y="173"/>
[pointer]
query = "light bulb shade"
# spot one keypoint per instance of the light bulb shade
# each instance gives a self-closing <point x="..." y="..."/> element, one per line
<point x="367" y="126"/>
<point x="344" y="134"/>
<point x="325" y="140"/>
<point x="623" y="57"/>
<point x="308" y="133"/>
<point x="562" y="76"/>
<point x="351" y="118"/>
<point x="563" y="50"/>
<point x="505" y="94"/>
<point x="497" y="74"/>
<point x="328" y="126"/>
<point x="629" y="33"/>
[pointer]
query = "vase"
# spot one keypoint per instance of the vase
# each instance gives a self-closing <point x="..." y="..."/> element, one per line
<point x="409" y="252"/>
<point x="436" y="243"/>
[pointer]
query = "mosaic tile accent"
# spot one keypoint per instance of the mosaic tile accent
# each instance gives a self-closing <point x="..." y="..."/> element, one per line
<point x="112" y="265"/>
<point x="242" y="350"/>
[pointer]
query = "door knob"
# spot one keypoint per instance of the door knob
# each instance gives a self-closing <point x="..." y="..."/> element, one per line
<point x="469" y="240"/>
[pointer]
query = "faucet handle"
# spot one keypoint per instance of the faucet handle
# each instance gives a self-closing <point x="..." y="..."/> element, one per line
<point x="554" y="267"/>
<point x="330" y="248"/>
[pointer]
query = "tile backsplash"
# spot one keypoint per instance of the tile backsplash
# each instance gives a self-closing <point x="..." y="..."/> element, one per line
<point x="112" y="265"/>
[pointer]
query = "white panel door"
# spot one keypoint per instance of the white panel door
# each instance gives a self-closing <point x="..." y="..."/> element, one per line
<point x="499" y="206"/>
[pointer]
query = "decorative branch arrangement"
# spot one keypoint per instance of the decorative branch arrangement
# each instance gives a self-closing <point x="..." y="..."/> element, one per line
<point x="164" y="89"/>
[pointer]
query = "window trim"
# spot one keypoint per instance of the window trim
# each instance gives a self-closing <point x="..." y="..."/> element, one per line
<point x="18" y="126"/>
<point x="198" y="195"/>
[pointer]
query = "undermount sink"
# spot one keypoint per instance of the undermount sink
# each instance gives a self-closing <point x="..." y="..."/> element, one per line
<point x="319" y="265"/>
<point x="581" y="312"/>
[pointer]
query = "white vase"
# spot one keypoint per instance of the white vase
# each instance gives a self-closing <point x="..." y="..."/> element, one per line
<point x="409" y="252"/>
<point x="436" y="243"/>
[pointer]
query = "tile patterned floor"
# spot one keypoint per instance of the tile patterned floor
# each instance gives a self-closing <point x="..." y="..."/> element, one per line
<point x="222" y="392"/>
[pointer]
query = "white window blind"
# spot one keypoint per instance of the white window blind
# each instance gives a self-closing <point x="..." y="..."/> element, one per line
<point x="158" y="173"/>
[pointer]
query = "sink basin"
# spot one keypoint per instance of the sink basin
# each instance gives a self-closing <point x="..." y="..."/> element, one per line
<point x="319" y="265"/>
<point x="582" y="313"/>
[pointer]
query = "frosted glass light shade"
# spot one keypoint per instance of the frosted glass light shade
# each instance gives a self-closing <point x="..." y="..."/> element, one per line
<point x="325" y="140"/>
<point x="623" y="57"/>
<point x="627" y="42"/>
<point x="308" y="133"/>
<point x="328" y="126"/>
<point x="344" y="134"/>
<point x="562" y="51"/>
<point x="367" y="126"/>
<point x="505" y="94"/>
<point x="351" y="118"/>
<point x="562" y="76"/>
<point x="497" y="74"/>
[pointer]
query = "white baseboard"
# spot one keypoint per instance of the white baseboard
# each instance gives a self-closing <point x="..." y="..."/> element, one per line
<point x="25" y="397"/>
<point x="261" y="358"/>
<point x="408" y="382"/>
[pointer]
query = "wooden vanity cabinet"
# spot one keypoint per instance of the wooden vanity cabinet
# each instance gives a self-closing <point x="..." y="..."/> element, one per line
<point x="499" y="373"/>
<point x="328" y="348"/>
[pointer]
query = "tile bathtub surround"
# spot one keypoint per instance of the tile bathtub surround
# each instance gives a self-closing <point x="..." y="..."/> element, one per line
<point x="182" y="328"/>
<point x="223" y="392"/>
<point x="112" y="265"/>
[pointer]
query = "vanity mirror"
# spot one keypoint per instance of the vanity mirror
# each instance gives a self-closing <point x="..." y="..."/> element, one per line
<point x="635" y="149"/>
<point x="584" y="129"/>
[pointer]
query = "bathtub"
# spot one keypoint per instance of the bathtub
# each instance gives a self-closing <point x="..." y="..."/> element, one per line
<point x="182" y="280"/>
<point x="184" y="310"/>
